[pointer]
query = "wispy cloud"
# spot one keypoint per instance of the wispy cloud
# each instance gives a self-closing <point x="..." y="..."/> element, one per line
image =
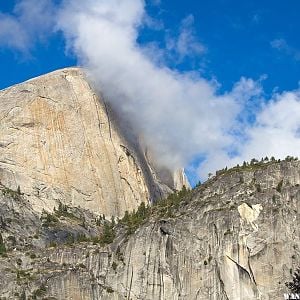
<point x="179" y="115"/>
<point x="275" y="132"/>
<point x="283" y="46"/>
<point x="30" y="21"/>
<point x="12" y="34"/>
<point x="155" y="2"/>
<point x="186" y="44"/>
<point x="256" y="18"/>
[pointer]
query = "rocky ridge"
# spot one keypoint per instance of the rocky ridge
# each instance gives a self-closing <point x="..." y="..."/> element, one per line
<point x="234" y="237"/>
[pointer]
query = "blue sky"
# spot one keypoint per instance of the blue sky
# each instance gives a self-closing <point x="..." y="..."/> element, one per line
<point x="206" y="83"/>
<point x="238" y="37"/>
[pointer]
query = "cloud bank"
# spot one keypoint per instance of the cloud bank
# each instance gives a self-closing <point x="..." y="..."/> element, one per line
<point x="181" y="116"/>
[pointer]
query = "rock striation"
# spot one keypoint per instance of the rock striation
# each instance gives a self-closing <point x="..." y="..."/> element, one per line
<point x="60" y="141"/>
<point x="235" y="237"/>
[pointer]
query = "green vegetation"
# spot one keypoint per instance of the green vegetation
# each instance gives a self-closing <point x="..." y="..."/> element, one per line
<point x="81" y="238"/>
<point x="108" y="234"/>
<point x="48" y="219"/>
<point x="162" y="208"/>
<point x="16" y="195"/>
<point x="253" y="165"/>
<point x="51" y="219"/>
<point x="291" y="158"/>
<point x="63" y="211"/>
<point x="134" y="219"/>
<point x="198" y="184"/>
<point x="168" y="207"/>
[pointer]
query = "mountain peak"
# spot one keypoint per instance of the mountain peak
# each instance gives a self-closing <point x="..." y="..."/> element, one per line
<point x="61" y="142"/>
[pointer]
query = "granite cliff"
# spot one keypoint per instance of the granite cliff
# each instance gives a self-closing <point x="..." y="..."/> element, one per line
<point x="60" y="141"/>
<point x="235" y="237"/>
<point x="65" y="162"/>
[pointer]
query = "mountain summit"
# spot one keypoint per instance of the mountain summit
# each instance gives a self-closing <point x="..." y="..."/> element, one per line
<point x="61" y="142"/>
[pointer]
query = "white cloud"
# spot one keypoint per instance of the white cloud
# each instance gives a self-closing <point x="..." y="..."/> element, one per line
<point x="279" y="44"/>
<point x="178" y="115"/>
<point x="12" y="34"/>
<point x="155" y="2"/>
<point x="186" y="43"/>
<point x="283" y="46"/>
<point x="30" y="21"/>
<point x="276" y="132"/>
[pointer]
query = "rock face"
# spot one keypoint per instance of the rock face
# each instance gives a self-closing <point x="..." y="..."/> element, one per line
<point x="236" y="237"/>
<point x="59" y="141"/>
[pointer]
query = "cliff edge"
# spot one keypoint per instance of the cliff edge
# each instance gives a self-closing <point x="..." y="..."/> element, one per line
<point x="60" y="142"/>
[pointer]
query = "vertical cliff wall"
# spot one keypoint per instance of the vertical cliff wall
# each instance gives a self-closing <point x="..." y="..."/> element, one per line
<point x="59" y="141"/>
<point x="234" y="238"/>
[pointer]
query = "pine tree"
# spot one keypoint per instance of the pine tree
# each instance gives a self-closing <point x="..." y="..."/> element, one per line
<point x="126" y="217"/>
<point x="108" y="234"/>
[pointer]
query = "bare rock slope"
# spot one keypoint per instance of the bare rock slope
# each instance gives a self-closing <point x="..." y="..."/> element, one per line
<point x="236" y="237"/>
<point x="59" y="141"/>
